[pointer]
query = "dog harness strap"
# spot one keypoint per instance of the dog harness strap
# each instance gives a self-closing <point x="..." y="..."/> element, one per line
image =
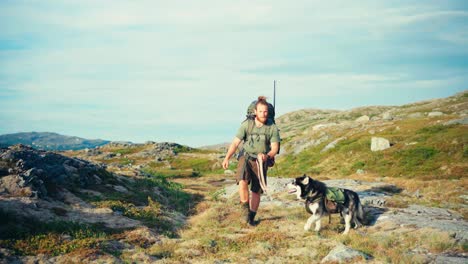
<point x="260" y="174"/>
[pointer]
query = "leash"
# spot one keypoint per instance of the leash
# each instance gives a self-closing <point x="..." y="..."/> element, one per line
<point x="260" y="174"/>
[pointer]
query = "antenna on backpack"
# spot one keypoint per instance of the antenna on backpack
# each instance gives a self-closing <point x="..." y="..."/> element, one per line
<point x="274" y="93"/>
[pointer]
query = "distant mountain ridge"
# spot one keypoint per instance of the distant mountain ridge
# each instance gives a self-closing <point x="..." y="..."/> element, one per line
<point x="49" y="141"/>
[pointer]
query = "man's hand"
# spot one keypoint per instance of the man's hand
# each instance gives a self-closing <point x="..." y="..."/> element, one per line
<point x="232" y="148"/>
<point x="262" y="156"/>
<point x="225" y="163"/>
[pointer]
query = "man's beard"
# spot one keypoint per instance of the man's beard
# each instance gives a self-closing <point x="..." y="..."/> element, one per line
<point x="262" y="119"/>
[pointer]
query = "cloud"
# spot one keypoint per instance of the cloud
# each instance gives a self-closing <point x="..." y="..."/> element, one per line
<point x="162" y="67"/>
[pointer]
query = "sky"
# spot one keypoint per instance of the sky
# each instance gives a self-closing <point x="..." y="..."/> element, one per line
<point x="185" y="71"/>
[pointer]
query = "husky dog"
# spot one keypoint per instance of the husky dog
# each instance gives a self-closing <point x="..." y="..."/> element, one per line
<point x="317" y="204"/>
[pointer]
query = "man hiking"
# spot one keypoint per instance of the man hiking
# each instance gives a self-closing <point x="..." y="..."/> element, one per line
<point x="261" y="144"/>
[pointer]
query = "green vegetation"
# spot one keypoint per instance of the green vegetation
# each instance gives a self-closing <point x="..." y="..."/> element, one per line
<point x="149" y="213"/>
<point x="433" y="129"/>
<point x="202" y="165"/>
<point x="182" y="166"/>
<point x="31" y="237"/>
<point x="292" y="165"/>
<point x="128" y="150"/>
<point x="419" y="157"/>
<point x="418" y="151"/>
<point x="123" y="151"/>
<point x="216" y="195"/>
<point x="361" y="144"/>
<point x="358" y="165"/>
<point x="185" y="149"/>
<point x="125" y="161"/>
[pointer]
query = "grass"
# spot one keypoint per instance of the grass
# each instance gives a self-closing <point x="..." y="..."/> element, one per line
<point x="177" y="199"/>
<point x="126" y="161"/>
<point x="27" y="236"/>
<point x="358" y="165"/>
<point x="218" y="234"/>
<point x="149" y="213"/>
<point x="297" y="164"/>
<point x="421" y="157"/>
<point x="396" y="246"/>
<point x="182" y="166"/>
<point x="128" y="150"/>
<point x="417" y="151"/>
<point x="195" y="164"/>
<point x="433" y="129"/>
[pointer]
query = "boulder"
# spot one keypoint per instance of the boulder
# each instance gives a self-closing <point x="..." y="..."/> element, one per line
<point x="378" y="144"/>
<point x="344" y="254"/>
<point x="387" y="116"/>
<point x="13" y="185"/>
<point x="461" y="121"/>
<point x="433" y="114"/>
<point x="363" y="119"/>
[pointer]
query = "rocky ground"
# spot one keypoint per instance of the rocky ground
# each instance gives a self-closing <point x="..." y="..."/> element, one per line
<point x="44" y="185"/>
<point x="47" y="187"/>
<point x="374" y="195"/>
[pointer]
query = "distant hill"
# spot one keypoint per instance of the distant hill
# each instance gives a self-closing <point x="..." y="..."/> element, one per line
<point x="49" y="141"/>
<point x="424" y="139"/>
<point x="219" y="147"/>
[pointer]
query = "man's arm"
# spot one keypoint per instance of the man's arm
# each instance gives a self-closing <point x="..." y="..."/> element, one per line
<point x="232" y="149"/>
<point x="274" y="149"/>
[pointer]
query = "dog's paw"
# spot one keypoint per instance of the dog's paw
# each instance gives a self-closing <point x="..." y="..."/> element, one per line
<point x="306" y="228"/>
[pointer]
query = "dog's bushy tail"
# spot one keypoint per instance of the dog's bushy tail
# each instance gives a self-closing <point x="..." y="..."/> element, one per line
<point x="361" y="216"/>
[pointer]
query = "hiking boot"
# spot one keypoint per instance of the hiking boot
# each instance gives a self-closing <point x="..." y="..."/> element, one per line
<point x="245" y="209"/>
<point x="251" y="221"/>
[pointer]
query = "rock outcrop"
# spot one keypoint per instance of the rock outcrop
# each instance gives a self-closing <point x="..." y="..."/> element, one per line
<point x="29" y="172"/>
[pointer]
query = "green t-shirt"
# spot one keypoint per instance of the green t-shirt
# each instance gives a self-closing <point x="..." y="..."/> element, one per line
<point x="258" y="141"/>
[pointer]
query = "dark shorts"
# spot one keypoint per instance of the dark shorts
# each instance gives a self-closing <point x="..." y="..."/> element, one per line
<point x="248" y="172"/>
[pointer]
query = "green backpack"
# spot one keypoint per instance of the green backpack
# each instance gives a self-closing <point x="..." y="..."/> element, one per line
<point x="335" y="194"/>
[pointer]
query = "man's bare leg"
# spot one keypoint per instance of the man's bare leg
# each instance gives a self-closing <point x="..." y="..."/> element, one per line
<point x="244" y="191"/>
<point x="255" y="202"/>
<point x="244" y="199"/>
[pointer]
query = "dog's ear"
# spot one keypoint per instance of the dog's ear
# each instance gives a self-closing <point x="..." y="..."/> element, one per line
<point x="306" y="180"/>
